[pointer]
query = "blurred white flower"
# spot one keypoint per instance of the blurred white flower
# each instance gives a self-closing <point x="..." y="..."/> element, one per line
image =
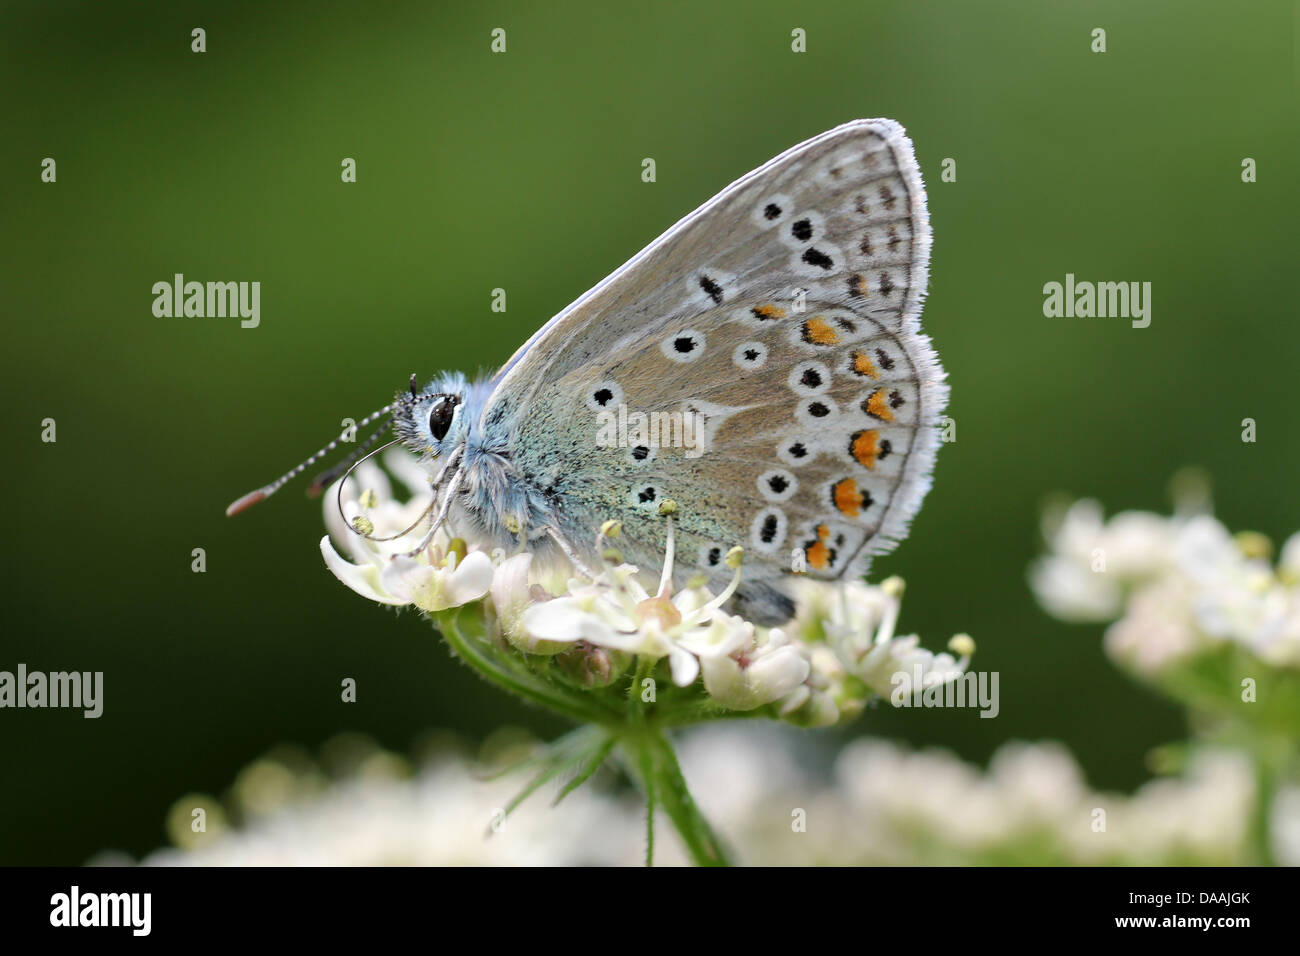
<point x="382" y="814"/>
<point x="881" y="804"/>
<point x="1092" y="563"/>
<point x="1284" y="825"/>
<point x="1288" y="562"/>
<point x="1204" y="814"/>
<point x="1179" y="586"/>
<point x="887" y="805"/>
<point x="1157" y="631"/>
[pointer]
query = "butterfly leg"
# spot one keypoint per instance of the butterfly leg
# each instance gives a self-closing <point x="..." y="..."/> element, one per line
<point x="436" y="485"/>
<point x="442" y="515"/>
<point x="570" y="553"/>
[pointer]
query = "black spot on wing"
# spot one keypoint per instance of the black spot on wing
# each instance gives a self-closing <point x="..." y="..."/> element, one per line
<point x="711" y="289"/>
<point x="815" y="257"/>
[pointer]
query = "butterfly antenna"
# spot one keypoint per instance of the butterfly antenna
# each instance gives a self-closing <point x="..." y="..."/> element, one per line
<point x="330" y="475"/>
<point x="261" y="494"/>
<point x="436" y="486"/>
<point x="369" y="535"/>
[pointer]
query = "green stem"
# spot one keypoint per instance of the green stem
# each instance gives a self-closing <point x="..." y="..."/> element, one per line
<point x="646" y="761"/>
<point x="573" y="749"/>
<point x="652" y="758"/>
<point x="593" y="760"/>
<point x="661" y="778"/>
<point x="702" y="843"/>
<point x="491" y="667"/>
<point x="703" y="711"/>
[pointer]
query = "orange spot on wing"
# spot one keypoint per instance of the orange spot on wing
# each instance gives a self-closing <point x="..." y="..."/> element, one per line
<point x="819" y="556"/>
<point x="863" y="365"/>
<point x="877" y="406"/>
<point x="768" y="312"/>
<point x="820" y="332"/>
<point x="864" y="446"/>
<point x="847" y="497"/>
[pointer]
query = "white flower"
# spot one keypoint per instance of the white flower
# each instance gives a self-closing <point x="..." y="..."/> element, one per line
<point x="859" y="624"/>
<point x="821" y="700"/>
<point x="1180" y="586"/>
<point x="1156" y="631"/>
<point x="512" y="594"/>
<point x="883" y="805"/>
<point x="433" y="580"/>
<point x="1093" y="562"/>
<point x="743" y="668"/>
<point x="1033" y="806"/>
<point x="757" y="675"/>
<point x="1216" y="595"/>
<point x="1205" y="812"/>
<point x="1288" y="563"/>
<point x="1284" y="824"/>
<point x="445" y="812"/>
<point x="386" y="514"/>
<point x="616" y="612"/>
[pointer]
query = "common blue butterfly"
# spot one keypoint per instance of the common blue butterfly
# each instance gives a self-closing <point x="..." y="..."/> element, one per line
<point x="775" y="328"/>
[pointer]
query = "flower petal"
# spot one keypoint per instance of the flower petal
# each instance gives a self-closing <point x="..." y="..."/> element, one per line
<point x="510" y="591"/>
<point x="470" y="581"/>
<point x="406" y="578"/>
<point x="363" y="580"/>
<point x="565" y="621"/>
<point x="768" y="678"/>
<point x="684" y="665"/>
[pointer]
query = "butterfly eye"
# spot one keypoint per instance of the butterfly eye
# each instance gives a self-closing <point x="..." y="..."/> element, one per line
<point x="440" y="416"/>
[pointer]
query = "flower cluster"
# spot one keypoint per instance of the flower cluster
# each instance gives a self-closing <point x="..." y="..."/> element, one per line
<point x="358" y="805"/>
<point x="885" y="804"/>
<point x="574" y="632"/>
<point x="1203" y="616"/>
<point x="1200" y="614"/>
<point x="881" y="804"/>
<point x="1182" y="587"/>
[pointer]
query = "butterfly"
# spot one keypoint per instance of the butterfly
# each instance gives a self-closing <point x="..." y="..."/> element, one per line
<point x="760" y="365"/>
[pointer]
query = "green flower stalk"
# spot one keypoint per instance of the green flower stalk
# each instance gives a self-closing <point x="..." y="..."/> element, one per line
<point x="627" y="664"/>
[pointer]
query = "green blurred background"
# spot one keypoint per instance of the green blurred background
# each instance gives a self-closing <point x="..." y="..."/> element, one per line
<point x="522" y="171"/>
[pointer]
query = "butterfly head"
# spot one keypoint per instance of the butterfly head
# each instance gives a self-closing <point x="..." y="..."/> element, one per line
<point x="433" y="421"/>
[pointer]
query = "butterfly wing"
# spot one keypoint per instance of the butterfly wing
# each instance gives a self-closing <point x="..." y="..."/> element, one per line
<point x="760" y="364"/>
